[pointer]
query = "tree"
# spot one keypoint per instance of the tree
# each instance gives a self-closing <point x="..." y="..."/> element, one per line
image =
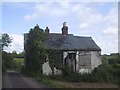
<point x="18" y="55"/>
<point x="21" y="54"/>
<point x="34" y="49"/>
<point x="6" y="40"/>
<point x="14" y="53"/>
<point x="7" y="58"/>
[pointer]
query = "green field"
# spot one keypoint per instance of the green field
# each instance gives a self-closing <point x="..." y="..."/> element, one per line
<point x="18" y="63"/>
<point x="19" y="60"/>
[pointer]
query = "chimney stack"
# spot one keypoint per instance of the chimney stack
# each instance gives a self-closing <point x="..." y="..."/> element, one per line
<point x="64" y="29"/>
<point x="47" y="30"/>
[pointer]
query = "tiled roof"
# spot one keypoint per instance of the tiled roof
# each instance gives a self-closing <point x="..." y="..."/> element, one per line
<point x="70" y="42"/>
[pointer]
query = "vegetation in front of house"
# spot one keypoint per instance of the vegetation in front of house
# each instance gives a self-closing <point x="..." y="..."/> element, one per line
<point x="53" y="56"/>
<point x="59" y="81"/>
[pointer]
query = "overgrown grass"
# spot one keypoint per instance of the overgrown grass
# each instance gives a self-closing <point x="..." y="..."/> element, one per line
<point x="67" y="82"/>
<point x="51" y="83"/>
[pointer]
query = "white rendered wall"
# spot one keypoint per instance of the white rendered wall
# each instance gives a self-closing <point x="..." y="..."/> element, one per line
<point x="95" y="59"/>
<point x="82" y="70"/>
<point x="46" y="69"/>
<point x="77" y="61"/>
<point x="57" y="71"/>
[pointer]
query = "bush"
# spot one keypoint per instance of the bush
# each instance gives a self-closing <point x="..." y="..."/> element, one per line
<point x="7" y="61"/>
<point x="3" y="69"/>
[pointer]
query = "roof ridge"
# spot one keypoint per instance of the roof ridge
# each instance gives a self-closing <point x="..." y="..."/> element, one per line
<point x="83" y="36"/>
<point x="58" y="34"/>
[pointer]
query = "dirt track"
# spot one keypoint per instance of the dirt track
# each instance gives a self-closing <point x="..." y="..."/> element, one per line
<point x="17" y="80"/>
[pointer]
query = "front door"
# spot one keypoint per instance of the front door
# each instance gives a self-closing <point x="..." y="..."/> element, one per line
<point x="72" y="61"/>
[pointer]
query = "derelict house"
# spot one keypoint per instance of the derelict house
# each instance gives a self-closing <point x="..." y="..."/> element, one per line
<point x="80" y="53"/>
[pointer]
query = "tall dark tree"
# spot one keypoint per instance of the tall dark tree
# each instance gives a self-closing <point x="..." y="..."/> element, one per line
<point x="5" y="40"/>
<point x="34" y="49"/>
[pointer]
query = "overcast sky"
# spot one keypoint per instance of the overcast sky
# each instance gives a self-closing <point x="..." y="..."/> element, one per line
<point x="96" y="19"/>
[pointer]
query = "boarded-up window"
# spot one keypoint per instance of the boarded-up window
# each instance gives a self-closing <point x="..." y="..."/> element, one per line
<point x="85" y="60"/>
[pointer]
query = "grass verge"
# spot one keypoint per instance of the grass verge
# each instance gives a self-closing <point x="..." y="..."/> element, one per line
<point x="63" y="84"/>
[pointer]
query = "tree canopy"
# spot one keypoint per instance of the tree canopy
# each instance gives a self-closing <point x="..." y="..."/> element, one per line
<point x="5" y="40"/>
